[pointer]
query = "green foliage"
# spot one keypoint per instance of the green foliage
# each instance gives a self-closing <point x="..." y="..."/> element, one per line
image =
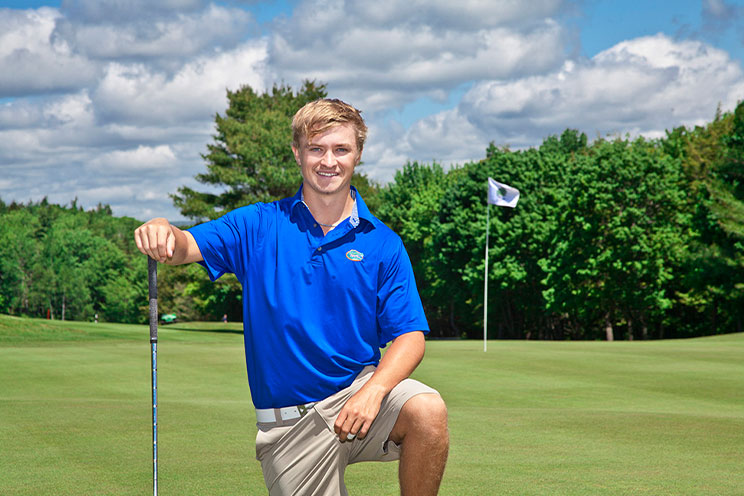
<point x="632" y="238"/>
<point x="69" y="264"/>
<point x="620" y="235"/>
<point x="19" y="256"/>
<point x="728" y="183"/>
<point x="711" y="290"/>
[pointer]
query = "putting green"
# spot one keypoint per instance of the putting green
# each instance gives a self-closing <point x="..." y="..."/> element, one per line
<point x="526" y="418"/>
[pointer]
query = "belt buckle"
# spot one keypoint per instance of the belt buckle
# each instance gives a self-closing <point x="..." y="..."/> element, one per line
<point x="303" y="409"/>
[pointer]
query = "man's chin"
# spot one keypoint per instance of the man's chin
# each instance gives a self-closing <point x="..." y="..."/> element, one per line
<point x="329" y="188"/>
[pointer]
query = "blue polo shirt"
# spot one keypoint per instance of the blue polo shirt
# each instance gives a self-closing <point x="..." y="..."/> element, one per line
<point x="316" y="309"/>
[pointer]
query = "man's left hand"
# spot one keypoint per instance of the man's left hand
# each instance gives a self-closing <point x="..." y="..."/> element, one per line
<point x="359" y="412"/>
<point x="357" y="415"/>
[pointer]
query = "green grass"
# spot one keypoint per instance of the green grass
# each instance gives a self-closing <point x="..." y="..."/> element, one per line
<point x="526" y="418"/>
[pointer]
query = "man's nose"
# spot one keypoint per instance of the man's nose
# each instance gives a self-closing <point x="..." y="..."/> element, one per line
<point x="329" y="158"/>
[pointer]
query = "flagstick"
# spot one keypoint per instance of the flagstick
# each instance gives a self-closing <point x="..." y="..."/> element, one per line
<point x="485" y="283"/>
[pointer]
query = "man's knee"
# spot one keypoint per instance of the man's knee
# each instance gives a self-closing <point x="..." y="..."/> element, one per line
<point x="423" y="415"/>
<point x="429" y="409"/>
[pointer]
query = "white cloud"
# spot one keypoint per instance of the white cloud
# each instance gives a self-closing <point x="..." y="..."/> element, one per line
<point x="97" y="11"/>
<point x="641" y="87"/>
<point x="464" y="15"/>
<point x="447" y="138"/>
<point x="70" y="110"/>
<point x="128" y="93"/>
<point x="138" y="93"/>
<point x="397" y="51"/>
<point x="136" y="35"/>
<point x="30" y="63"/>
<point x="45" y="50"/>
<point x="19" y="114"/>
<point x="143" y="158"/>
<point x="123" y="94"/>
<point x="35" y="132"/>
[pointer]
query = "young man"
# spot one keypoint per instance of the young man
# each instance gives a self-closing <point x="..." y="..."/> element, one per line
<point x="325" y="285"/>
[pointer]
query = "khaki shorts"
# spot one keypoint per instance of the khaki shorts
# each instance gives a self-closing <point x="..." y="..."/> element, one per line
<point x="308" y="458"/>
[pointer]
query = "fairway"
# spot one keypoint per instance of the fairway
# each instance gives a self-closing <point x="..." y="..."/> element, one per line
<point x="526" y="418"/>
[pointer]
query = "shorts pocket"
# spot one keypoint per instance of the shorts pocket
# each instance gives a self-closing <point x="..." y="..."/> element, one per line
<point x="265" y="440"/>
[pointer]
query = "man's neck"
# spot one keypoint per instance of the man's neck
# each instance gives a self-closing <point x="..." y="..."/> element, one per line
<point x="330" y="209"/>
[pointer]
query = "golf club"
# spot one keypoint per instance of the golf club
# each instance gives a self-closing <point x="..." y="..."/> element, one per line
<point x="152" y="273"/>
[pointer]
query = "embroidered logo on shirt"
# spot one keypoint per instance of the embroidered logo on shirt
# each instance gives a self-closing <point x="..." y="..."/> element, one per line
<point x="354" y="256"/>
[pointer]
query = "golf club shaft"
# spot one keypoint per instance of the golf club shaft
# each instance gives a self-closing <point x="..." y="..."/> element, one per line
<point x="152" y="273"/>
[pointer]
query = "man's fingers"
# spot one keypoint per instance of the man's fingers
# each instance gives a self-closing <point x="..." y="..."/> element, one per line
<point x="354" y="429"/>
<point x="142" y="239"/>
<point x="344" y="425"/>
<point x="357" y="415"/>
<point x="362" y="432"/>
<point x="155" y="239"/>
<point x="348" y="428"/>
<point x="170" y="244"/>
<point x="138" y="242"/>
<point x="358" y="431"/>
<point x="152" y="239"/>
<point x="340" y="422"/>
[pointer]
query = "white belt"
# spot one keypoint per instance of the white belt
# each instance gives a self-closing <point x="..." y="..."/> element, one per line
<point x="282" y="415"/>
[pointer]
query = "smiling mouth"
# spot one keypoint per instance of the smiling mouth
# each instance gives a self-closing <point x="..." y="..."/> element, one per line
<point x="327" y="174"/>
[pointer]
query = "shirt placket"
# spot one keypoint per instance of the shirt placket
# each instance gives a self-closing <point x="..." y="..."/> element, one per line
<point x="319" y="242"/>
<point x="323" y="243"/>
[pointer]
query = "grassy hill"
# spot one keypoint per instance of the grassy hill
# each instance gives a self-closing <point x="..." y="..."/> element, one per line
<point x="526" y="418"/>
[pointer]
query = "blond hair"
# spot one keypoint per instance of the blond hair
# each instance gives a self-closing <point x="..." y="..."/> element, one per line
<point x="320" y="115"/>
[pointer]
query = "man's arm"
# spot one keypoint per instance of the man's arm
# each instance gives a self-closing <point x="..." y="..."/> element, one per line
<point x="166" y="243"/>
<point x="399" y="361"/>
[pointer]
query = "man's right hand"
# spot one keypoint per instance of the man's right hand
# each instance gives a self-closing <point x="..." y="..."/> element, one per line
<point x="155" y="238"/>
<point x="166" y="243"/>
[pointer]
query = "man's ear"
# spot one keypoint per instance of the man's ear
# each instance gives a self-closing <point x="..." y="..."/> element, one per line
<point x="296" y="154"/>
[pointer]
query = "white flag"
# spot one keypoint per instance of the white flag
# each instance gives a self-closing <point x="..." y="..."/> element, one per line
<point x="502" y="194"/>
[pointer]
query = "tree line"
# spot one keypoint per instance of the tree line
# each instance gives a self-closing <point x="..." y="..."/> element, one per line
<point x="65" y="263"/>
<point x="620" y="238"/>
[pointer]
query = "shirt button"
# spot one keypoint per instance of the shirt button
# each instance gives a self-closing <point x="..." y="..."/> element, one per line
<point x="315" y="225"/>
<point x="320" y="248"/>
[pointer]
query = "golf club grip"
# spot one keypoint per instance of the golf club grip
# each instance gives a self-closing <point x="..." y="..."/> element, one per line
<point x="152" y="276"/>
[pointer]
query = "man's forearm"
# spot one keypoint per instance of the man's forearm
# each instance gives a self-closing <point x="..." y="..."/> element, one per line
<point x="398" y="362"/>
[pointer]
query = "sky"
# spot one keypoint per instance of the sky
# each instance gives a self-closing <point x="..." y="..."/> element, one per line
<point x="113" y="101"/>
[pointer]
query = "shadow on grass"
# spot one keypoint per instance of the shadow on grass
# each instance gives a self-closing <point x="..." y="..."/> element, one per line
<point x="216" y="327"/>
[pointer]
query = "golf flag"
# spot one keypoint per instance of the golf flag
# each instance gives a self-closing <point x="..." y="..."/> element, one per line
<point x="502" y="194"/>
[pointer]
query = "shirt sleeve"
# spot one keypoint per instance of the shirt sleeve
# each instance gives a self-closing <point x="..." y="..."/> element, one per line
<point x="399" y="308"/>
<point x="225" y="242"/>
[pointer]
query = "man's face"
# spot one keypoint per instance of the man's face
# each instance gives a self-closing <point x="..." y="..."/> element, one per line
<point x="327" y="160"/>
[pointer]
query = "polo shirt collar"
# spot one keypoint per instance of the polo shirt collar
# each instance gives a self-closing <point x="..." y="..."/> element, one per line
<point x="359" y="211"/>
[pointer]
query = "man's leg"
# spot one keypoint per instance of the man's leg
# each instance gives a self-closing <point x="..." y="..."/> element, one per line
<point x="411" y="427"/>
<point x="421" y="432"/>
<point x="305" y="459"/>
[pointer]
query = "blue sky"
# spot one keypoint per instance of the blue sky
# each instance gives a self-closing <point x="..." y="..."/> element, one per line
<point x="605" y="23"/>
<point x="113" y="102"/>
